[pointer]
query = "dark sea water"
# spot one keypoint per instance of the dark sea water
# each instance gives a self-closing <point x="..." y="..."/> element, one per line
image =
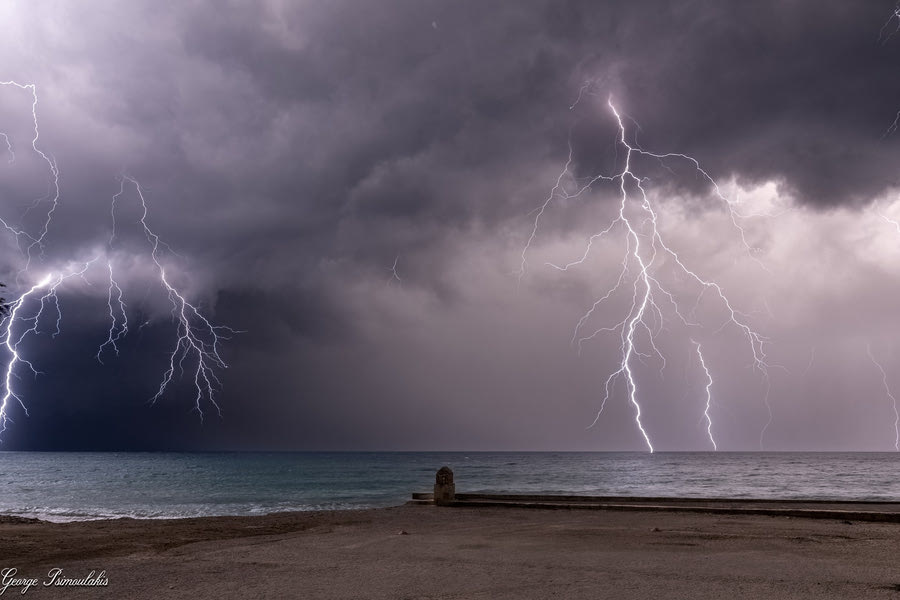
<point x="76" y="486"/>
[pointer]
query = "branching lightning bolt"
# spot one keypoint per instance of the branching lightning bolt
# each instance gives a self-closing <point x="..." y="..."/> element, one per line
<point x="395" y="276"/>
<point x="118" y="327"/>
<point x="895" y="16"/>
<point x="13" y="317"/>
<point x="17" y="326"/>
<point x="11" y="341"/>
<point x="887" y="390"/>
<point x="645" y="249"/>
<point x="886" y="218"/>
<point x="53" y="195"/>
<point x="197" y="339"/>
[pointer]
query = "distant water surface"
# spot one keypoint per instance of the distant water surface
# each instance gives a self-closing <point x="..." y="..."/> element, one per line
<point x="77" y="486"/>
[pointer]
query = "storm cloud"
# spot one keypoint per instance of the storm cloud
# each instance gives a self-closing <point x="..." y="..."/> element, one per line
<point x="292" y="152"/>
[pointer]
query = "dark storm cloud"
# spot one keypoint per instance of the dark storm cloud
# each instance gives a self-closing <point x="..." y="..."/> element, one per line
<point x="291" y="151"/>
<point x="316" y="119"/>
<point x="796" y="92"/>
<point x="787" y="90"/>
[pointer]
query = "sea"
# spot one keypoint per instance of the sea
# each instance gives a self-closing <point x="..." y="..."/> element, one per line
<point x="74" y="486"/>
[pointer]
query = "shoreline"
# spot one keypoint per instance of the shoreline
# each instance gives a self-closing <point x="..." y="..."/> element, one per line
<point x="886" y="510"/>
<point x="461" y="552"/>
<point x="803" y="507"/>
<point x="76" y="540"/>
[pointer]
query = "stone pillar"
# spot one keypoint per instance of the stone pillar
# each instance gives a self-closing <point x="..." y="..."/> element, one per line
<point x="444" y="488"/>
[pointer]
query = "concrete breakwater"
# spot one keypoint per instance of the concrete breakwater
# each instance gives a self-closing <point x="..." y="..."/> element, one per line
<point x="445" y="494"/>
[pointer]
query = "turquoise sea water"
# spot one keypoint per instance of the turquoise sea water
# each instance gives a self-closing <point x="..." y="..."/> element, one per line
<point x="76" y="486"/>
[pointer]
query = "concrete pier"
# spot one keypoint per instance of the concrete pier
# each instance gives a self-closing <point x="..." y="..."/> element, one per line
<point x="862" y="510"/>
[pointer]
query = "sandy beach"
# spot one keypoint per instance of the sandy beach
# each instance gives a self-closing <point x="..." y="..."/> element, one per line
<point x="439" y="552"/>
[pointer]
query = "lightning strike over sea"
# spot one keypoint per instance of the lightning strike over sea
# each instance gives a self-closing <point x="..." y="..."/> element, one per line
<point x="889" y="394"/>
<point x="197" y="344"/>
<point x="644" y="254"/>
<point x="708" y="405"/>
<point x="665" y="182"/>
<point x="639" y="259"/>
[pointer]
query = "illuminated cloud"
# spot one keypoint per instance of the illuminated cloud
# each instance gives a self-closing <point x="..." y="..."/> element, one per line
<point x="291" y="151"/>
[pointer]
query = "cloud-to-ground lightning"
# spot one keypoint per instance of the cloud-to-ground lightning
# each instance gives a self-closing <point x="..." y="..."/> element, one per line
<point x="197" y="340"/>
<point x="887" y="390"/>
<point x="645" y="250"/>
<point x="17" y="325"/>
<point x="880" y="367"/>
<point x="11" y="336"/>
<point x="894" y="19"/>
<point x="708" y="389"/>
<point x="11" y="342"/>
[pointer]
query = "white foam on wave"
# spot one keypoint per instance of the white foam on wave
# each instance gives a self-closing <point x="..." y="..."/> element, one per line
<point x="67" y="515"/>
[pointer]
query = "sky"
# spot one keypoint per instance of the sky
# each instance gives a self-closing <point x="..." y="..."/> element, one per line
<point x="373" y="195"/>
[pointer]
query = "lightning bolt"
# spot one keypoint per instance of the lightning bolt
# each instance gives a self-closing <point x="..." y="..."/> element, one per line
<point x="895" y="16"/>
<point x="9" y="148"/>
<point x="11" y="342"/>
<point x="886" y="218"/>
<point x="887" y="390"/>
<point x="197" y="339"/>
<point x="893" y="126"/>
<point x="53" y="194"/>
<point x="645" y="250"/>
<point x="884" y="381"/>
<point x="118" y="327"/>
<point x="395" y="276"/>
<point x="812" y="359"/>
<point x="16" y="327"/>
<point x="709" y="383"/>
<point x="11" y="326"/>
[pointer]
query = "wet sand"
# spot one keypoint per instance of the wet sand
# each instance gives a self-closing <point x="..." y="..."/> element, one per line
<point x="442" y="553"/>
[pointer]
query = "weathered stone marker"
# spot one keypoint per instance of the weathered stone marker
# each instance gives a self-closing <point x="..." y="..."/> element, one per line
<point x="444" y="488"/>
